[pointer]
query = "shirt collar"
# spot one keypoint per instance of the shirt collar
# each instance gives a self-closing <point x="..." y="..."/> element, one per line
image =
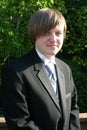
<point x="45" y="59"/>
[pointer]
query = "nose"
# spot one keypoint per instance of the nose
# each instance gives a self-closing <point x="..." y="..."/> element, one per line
<point x="53" y="37"/>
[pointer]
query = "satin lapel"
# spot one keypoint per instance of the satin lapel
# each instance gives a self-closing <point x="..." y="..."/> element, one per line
<point x="61" y="80"/>
<point x="46" y="83"/>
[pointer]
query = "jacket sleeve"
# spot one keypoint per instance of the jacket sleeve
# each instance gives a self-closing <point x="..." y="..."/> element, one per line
<point x="14" y="101"/>
<point x="74" y="123"/>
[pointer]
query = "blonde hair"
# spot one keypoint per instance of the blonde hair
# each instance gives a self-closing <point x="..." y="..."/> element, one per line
<point x="44" y="20"/>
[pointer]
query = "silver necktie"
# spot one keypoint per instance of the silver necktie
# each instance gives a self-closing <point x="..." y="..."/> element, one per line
<point x="52" y="78"/>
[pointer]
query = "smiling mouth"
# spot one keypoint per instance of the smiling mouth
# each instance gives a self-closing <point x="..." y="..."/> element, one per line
<point x="53" y="46"/>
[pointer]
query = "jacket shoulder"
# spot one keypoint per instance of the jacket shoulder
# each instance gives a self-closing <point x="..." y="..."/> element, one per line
<point x="62" y="64"/>
<point x="20" y="63"/>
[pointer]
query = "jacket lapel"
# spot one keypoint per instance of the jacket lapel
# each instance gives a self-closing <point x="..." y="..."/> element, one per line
<point x="61" y="80"/>
<point x="46" y="84"/>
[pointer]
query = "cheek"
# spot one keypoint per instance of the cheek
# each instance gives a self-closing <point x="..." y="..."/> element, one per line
<point x="41" y="41"/>
<point x="61" y="40"/>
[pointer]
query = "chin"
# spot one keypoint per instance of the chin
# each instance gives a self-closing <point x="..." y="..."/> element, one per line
<point x="53" y="54"/>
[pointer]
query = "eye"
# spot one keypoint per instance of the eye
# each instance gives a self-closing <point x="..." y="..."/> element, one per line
<point x="58" y="33"/>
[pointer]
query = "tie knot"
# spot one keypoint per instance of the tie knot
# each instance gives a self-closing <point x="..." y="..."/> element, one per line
<point x="51" y="71"/>
<point x="51" y="66"/>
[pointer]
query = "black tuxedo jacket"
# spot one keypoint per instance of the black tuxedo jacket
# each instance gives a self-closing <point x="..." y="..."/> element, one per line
<point x="29" y="101"/>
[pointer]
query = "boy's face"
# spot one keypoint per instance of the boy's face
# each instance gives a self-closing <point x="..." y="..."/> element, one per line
<point x="50" y="43"/>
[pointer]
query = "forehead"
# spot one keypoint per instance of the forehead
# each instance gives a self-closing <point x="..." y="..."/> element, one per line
<point x="57" y="28"/>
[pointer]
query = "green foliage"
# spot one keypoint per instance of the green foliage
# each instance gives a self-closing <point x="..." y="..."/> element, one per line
<point x="77" y="34"/>
<point x="14" y="40"/>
